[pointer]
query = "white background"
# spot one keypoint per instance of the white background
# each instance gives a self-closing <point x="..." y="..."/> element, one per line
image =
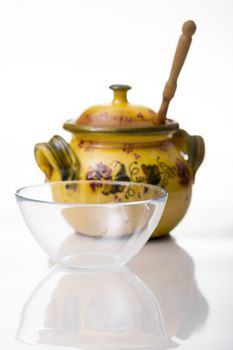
<point x="58" y="57"/>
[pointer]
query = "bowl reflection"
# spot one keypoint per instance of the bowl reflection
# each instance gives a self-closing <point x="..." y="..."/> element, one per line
<point x="116" y="309"/>
<point x="88" y="310"/>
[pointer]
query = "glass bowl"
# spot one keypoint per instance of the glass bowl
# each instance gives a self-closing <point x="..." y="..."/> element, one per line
<point x="91" y="224"/>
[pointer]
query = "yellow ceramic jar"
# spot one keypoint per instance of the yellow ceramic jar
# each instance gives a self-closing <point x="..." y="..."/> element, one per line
<point x="124" y="142"/>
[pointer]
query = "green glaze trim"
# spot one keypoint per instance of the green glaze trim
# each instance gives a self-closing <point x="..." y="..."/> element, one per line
<point x="171" y="126"/>
<point x="57" y="155"/>
<point x="122" y="87"/>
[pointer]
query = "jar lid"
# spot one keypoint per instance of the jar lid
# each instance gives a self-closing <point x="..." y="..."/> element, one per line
<point x="119" y="116"/>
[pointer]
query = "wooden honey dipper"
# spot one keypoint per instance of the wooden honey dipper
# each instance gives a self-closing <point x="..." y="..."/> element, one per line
<point x="185" y="40"/>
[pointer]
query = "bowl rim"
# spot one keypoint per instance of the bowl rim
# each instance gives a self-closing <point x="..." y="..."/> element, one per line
<point x="162" y="196"/>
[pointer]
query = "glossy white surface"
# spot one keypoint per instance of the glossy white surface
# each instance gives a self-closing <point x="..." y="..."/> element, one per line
<point x="189" y="276"/>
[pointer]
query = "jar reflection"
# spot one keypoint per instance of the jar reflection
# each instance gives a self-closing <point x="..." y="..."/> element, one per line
<point x="169" y="272"/>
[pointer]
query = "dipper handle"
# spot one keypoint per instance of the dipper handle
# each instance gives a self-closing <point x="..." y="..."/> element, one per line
<point x="185" y="40"/>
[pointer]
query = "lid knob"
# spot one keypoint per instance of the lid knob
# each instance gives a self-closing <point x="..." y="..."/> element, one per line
<point x="120" y="93"/>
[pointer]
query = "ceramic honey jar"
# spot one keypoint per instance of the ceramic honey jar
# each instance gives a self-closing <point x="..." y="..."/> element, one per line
<point x="124" y="142"/>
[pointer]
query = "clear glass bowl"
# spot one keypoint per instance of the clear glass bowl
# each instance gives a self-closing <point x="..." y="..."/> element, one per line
<point x="91" y="224"/>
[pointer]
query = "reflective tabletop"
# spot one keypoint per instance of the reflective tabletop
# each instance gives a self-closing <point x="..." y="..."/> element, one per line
<point x="177" y="292"/>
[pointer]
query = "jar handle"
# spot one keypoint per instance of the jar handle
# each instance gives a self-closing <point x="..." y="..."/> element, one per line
<point x="192" y="146"/>
<point x="57" y="160"/>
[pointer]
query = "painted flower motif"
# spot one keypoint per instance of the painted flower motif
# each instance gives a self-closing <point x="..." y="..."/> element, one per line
<point x="183" y="172"/>
<point x="140" y="115"/>
<point x="99" y="172"/>
<point x="163" y="145"/>
<point x="105" y="171"/>
<point x="88" y="146"/>
<point x="122" y="120"/>
<point x="87" y="118"/>
<point x="128" y="148"/>
<point x="104" y="115"/>
<point x="117" y="199"/>
<point x="137" y="156"/>
<point x="95" y="185"/>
